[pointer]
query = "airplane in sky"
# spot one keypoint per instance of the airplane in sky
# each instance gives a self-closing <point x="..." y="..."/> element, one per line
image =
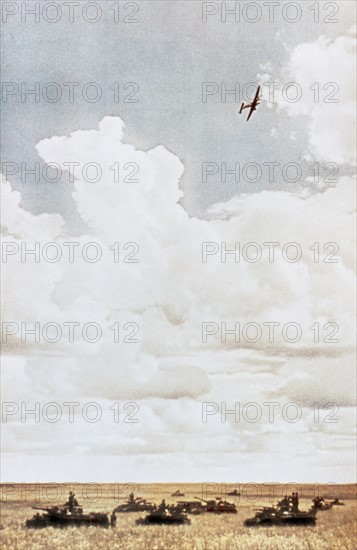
<point x="253" y="105"/>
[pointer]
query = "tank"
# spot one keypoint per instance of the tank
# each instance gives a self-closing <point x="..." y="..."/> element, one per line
<point x="178" y="494"/>
<point x="273" y="515"/>
<point x="165" y="514"/>
<point x="59" y="516"/>
<point x="337" y="502"/>
<point x="234" y="493"/>
<point x="165" y="517"/>
<point x="218" y="506"/>
<point x="321" y="504"/>
<point x="191" y="507"/>
<point x="133" y="504"/>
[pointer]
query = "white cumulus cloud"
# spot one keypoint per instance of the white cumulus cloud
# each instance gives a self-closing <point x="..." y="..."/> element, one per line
<point x="170" y="371"/>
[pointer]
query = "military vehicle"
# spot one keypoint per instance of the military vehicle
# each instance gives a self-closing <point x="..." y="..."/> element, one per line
<point x="191" y="506"/>
<point x="337" y="502"/>
<point x="234" y="493"/>
<point x="320" y="504"/>
<point x="178" y="494"/>
<point x="165" y="517"/>
<point x="275" y="515"/>
<point x="159" y="518"/>
<point x="60" y="516"/>
<point x="133" y="504"/>
<point x="218" y="506"/>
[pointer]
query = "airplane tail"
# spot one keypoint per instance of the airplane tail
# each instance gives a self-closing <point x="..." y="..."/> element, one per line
<point x="241" y="108"/>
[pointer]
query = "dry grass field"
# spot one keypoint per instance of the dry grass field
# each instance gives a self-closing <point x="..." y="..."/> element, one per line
<point x="335" y="528"/>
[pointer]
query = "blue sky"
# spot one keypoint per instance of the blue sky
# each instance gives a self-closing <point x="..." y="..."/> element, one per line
<point x="169" y="53"/>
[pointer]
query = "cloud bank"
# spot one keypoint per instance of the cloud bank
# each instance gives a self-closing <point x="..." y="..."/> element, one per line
<point x="170" y="371"/>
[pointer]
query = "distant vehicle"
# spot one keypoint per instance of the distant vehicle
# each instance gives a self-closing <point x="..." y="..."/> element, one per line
<point x="234" y="493"/>
<point x="337" y="502"/>
<point x="178" y="494"/>
<point x="59" y="516"/>
<point x="252" y="106"/>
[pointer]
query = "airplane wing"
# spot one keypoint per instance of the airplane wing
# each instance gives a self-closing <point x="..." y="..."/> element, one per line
<point x="252" y="109"/>
<point x="254" y="104"/>
<point x="256" y="98"/>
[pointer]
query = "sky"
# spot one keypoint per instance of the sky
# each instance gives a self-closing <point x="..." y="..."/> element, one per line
<point x="161" y="298"/>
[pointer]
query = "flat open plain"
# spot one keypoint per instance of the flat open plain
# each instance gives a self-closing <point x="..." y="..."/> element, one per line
<point x="335" y="528"/>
